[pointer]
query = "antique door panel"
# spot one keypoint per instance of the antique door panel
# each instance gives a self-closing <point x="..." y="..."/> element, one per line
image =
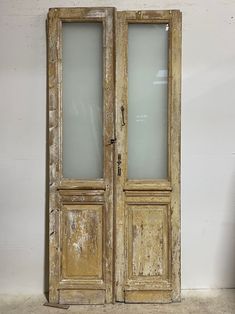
<point x="82" y="241"/>
<point x="81" y="125"/>
<point x="147" y="257"/>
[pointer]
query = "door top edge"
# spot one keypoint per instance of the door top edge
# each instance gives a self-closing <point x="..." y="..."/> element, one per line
<point x="111" y="8"/>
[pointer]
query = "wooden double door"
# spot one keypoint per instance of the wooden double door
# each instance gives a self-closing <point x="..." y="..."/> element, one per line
<point x="114" y="155"/>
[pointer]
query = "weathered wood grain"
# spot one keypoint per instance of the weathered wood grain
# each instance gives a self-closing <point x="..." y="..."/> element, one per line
<point x="53" y="140"/>
<point x="147" y="241"/>
<point x="80" y="262"/>
<point x="120" y="100"/>
<point x="148" y="296"/>
<point x="132" y="257"/>
<point x="113" y="239"/>
<point x="175" y="131"/>
<point x="84" y="296"/>
<point x="82" y="234"/>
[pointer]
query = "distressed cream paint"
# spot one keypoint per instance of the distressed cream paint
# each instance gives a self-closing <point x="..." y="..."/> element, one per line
<point x="208" y="158"/>
<point x="132" y="211"/>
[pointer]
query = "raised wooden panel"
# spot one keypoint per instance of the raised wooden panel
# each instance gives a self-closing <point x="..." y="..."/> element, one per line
<point x="82" y="241"/>
<point x="147" y="242"/>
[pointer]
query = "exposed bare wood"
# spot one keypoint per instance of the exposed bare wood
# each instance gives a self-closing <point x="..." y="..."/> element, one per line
<point x="148" y="245"/>
<point x="148" y="211"/>
<point x="162" y="296"/>
<point x="149" y="15"/>
<point x="86" y="204"/>
<point x="148" y="284"/>
<point x="90" y="193"/>
<point x="53" y="140"/>
<point x="108" y="118"/>
<point x="120" y="100"/>
<point x="82" y="296"/>
<point x="97" y="257"/>
<point x="149" y="185"/>
<point x="92" y="284"/>
<point x="82" y="196"/>
<point x="82" y="14"/>
<point x="160" y="197"/>
<point x="82" y="234"/>
<point x="81" y="185"/>
<point x="175" y="153"/>
<point x="58" y="306"/>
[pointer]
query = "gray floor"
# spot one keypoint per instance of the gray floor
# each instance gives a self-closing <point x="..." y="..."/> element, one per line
<point x="193" y="301"/>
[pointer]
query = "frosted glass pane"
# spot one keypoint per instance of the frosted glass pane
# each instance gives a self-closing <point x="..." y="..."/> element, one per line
<point x="147" y="101"/>
<point x="82" y="100"/>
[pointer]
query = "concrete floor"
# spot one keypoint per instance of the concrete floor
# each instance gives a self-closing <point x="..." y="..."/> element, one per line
<point x="193" y="301"/>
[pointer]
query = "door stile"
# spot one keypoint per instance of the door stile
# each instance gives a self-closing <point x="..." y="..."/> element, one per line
<point x="120" y="152"/>
<point x="109" y="134"/>
<point x="175" y="154"/>
<point x="53" y="152"/>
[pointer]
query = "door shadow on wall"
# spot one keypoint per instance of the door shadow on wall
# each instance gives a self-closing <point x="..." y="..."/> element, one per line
<point x="225" y="255"/>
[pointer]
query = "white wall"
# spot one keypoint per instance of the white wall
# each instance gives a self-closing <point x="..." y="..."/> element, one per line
<point x="208" y="139"/>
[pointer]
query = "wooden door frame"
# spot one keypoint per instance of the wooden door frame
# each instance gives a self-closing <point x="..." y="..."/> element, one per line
<point x="155" y="188"/>
<point x="65" y="191"/>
